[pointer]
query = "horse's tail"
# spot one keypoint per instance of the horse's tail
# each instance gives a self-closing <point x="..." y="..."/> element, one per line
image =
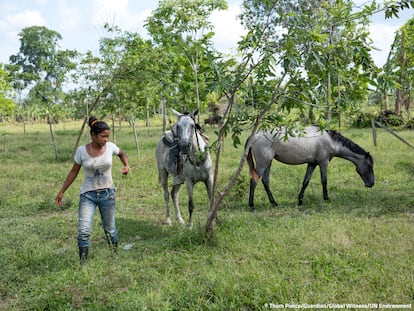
<point x="252" y="169"/>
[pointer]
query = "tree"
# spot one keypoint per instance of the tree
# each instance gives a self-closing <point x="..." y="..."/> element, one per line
<point x="182" y="27"/>
<point x="398" y="68"/>
<point x="137" y="76"/>
<point x="393" y="8"/>
<point x="324" y="46"/>
<point x="7" y="105"/>
<point x="40" y="68"/>
<point x="122" y="78"/>
<point x="298" y="56"/>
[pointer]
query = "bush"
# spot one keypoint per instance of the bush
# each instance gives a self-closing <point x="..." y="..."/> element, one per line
<point x="390" y="118"/>
<point x="363" y="120"/>
<point x="409" y="124"/>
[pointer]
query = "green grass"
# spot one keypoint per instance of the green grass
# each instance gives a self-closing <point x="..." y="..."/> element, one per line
<point x="357" y="249"/>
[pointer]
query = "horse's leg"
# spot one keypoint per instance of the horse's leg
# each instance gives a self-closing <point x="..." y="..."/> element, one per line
<point x="174" y="195"/>
<point x="253" y="185"/>
<point x="190" y="188"/>
<point x="309" y="171"/>
<point x="266" y="181"/>
<point x="209" y="187"/>
<point x="164" y="184"/>
<point x="324" y="180"/>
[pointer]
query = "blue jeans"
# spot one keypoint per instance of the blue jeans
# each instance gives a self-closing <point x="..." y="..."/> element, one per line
<point x="105" y="200"/>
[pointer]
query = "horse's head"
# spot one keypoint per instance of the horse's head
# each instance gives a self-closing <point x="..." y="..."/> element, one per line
<point x="185" y="129"/>
<point x="365" y="169"/>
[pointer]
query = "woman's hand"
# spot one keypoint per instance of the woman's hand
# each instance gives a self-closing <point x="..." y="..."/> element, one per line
<point x="125" y="170"/>
<point x="58" y="199"/>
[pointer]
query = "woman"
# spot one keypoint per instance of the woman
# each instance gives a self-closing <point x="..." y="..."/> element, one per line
<point x="97" y="188"/>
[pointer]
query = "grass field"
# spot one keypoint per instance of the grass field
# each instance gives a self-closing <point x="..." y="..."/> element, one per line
<point x="358" y="249"/>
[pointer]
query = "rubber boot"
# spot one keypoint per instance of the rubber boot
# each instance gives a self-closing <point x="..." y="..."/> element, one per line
<point x="83" y="255"/>
<point x="113" y="246"/>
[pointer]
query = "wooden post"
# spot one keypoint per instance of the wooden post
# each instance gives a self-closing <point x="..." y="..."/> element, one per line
<point x="374" y="132"/>
<point x="135" y="133"/>
<point x="51" y="135"/>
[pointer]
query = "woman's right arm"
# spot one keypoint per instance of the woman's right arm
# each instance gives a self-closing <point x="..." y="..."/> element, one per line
<point x="69" y="180"/>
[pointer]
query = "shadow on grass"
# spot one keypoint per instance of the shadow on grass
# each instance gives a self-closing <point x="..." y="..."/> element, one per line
<point x="135" y="229"/>
<point x="359" y="201"/>
<point x="149" y="237"/>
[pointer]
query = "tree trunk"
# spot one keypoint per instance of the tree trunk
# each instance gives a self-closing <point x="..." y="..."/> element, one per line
<point x="215" y="204"/>
<point x="147" y="120"/>
<point x="386" y="104"/>
<point x="132" y="119"/>
<point x="398" y="101"/>
<point x="163" y="110"/>
<point x="86" y="120"/>
<point x="409" y="102"/>
<point x="52" y="136"/>
<point x="113" y="127"/>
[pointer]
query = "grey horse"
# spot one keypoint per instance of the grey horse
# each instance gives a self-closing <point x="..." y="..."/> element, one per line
<point x="183" y="153"/>
<point x="315" y="147"/>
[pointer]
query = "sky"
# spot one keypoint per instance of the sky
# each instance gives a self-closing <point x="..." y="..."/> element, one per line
<point x="80" y="22"/>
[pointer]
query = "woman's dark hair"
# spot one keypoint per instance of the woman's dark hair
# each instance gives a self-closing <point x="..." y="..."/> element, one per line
<point x="97" y="126"/>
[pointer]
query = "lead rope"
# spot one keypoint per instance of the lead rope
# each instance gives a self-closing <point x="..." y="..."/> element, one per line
<point x="198" y="142"/>
<point x="191" y="157"/>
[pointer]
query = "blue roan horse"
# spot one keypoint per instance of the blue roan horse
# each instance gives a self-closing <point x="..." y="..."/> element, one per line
<point x="183" y="153"/>
<point x="315" y="147"/>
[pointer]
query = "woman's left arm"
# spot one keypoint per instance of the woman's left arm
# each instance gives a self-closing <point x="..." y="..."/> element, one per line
<point x="124" y="160"/>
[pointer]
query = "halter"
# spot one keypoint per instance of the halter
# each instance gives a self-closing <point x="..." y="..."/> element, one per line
<point x="194" y="158"/>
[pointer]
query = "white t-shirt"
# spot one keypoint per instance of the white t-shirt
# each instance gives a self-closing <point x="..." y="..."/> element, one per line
<point x="97" y="170"/>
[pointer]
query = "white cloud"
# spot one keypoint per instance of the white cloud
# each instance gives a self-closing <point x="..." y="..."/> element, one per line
<point x="71" y="18"/>
<point x="227" y="28"/>
<point x="8" y="6"/>
<point x="383" y="35"/>
<point x="12" y="24"/>
<point x="21" y="20"/>
<point x="102" y="11"/>
<point x="115" y="12"/>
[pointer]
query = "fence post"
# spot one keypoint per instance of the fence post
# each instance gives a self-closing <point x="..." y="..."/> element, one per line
<point x="374" y="132"/>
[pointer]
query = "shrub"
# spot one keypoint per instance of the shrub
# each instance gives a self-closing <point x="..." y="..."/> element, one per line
<point x="390" y="118"/>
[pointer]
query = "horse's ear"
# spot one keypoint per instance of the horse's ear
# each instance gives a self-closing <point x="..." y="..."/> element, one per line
<point x="177" y="114"/>
<point x="194" y="113"/>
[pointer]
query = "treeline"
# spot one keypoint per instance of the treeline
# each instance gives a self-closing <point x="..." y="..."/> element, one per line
<point x="308" y="60"/>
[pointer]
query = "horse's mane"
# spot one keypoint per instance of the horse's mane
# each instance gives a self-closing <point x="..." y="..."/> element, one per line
<point x="336" y="136"/>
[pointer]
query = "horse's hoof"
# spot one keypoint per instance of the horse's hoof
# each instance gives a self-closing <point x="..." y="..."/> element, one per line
<point x="168" y="222"/>
<point x="181" y="221"/>
<point x="254" y="210"/>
